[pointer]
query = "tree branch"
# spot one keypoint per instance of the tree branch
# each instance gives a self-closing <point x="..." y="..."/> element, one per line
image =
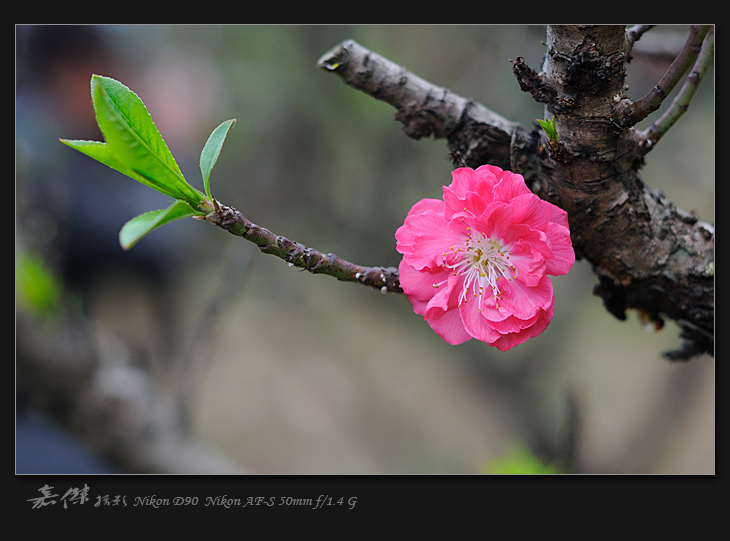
<point x="635" y="32"/>
<point x="86" y="378"/>
<point x="386" y="279"/>
<point x="681" y="102"/>
<point x="648" y="254"/>
<point x="422" y="108"/>
<point x="477" y="135"/>
<point x="629" y="113"/>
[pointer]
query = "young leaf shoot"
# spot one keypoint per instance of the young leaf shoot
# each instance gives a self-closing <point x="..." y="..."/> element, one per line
<point x="134" y="147"/>
<point x="211" y="151"/>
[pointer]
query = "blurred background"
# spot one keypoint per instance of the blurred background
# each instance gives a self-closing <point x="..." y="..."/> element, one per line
<point x="193" y="340"/>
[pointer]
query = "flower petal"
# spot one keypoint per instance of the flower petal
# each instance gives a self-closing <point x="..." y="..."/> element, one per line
<point x="563" y="255"/>
<point x="466" y="182"/>
<point x="526" y="209"/>
<point x="448" y="325"/>
<point x="475" y="323"/>
<point x="434" y="303"/>
<point x="424" y="236"/>
<point x="510" y="340"/>
<point x="511" y="184"/>
<point x="529" y="263"/>
<point x="492" y="233"/>
<point x="524" y="302"/>
<point x="419" y="284"/>
<point x="512" y="324"/>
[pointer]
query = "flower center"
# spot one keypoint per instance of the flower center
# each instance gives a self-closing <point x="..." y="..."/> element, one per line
<point x="482" y="261"/>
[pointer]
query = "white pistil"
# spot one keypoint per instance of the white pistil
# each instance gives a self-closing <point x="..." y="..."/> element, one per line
<point x="482" y="262"/>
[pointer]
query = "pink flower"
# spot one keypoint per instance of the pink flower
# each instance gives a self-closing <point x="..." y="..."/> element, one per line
<point x="476" y="264"/>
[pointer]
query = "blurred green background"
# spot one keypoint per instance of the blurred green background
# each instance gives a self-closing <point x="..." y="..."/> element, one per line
<point x="286" y="372"/>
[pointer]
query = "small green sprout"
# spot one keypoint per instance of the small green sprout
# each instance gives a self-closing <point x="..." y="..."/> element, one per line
<point x="550" y="129"/>
<point x="133" y="146"/>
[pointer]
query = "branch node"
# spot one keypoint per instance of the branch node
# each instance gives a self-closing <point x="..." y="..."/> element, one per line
<point x="530" y="81"/>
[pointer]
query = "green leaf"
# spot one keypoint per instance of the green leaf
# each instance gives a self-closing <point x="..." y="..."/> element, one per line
<point x="141" y="225"/>
<point x="550" y="128"/>
<point x="101" y="152"/>
<point x="212" y="150"/>
<point x="133" y="145"/>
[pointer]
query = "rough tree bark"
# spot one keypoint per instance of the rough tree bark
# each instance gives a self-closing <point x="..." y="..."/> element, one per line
<point x="648" y="254"/>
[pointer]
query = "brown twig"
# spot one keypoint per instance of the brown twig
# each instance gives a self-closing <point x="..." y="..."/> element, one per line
<point x="385" y="279"/>
<point x="530" y="81"/>
<point x="635" y="32"/>
<point x="681" y="102"/>
<point x="629" y="113"/>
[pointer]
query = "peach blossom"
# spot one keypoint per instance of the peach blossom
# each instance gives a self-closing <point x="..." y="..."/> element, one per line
<point x="476" y="263"/>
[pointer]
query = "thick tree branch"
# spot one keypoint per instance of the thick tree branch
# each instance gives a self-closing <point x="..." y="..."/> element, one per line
<point x="423" y="108"/>
<point x="648" y="254"/>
